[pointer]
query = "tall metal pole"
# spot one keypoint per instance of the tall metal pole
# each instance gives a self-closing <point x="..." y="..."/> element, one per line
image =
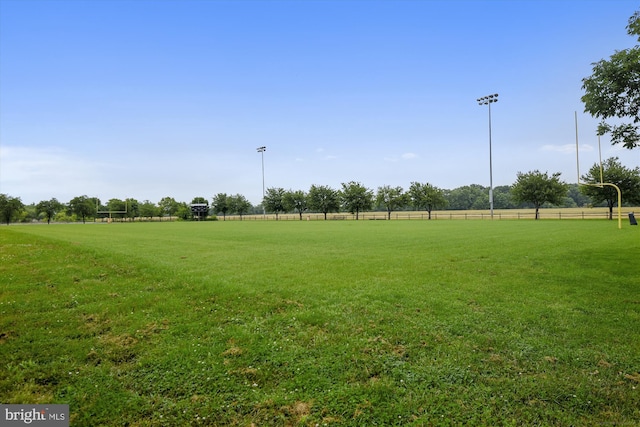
<point x="488" y="100"/>
<point x="261" y="150"/>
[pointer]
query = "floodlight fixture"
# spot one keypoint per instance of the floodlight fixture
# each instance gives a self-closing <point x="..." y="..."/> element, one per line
<point x="261" y="150"/>
<point x="488" y="100"/>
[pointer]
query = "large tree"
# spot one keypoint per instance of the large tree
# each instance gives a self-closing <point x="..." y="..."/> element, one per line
<point x="613" y="91"/>
<point x="148" y="209"/>
<point x="426" y="196"/>
<point x="296" y="201"/>
<point x="49" y="208"/>
<point x="239" y="204"/>
<point x="83" y="206"/>
<point x="392" y="198"/>
<point x="221" y="204"/>
<point x="274" y="200"/>
<point x="539" y="188"/>
<point x="356" y="198"/>
<point x="168" y="206"/>
<point x="323" y="199"/>
<point x="9" y="207"/>
<point x="613" y="172"/>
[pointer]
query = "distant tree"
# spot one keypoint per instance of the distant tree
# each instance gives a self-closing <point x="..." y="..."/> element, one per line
<point x="184" y="211"/>
<point x="539" y="188"/>
<point x="10" y="207"/>
<point x="579" y="198"/>
<point x="168" y="206"/>
<point x="148" y="209"/>
<point x="323" y="199"/>
<point x="221" y="204"/>
<point x="356" y="198"/>
<point x="274" y="200"/>
<point x="29" y="213"/>
<point x="468" y="197"/>
<point x="613" y="91"/>
<point x="49" y="208"/>
<point x="117" y="208"/>
<point x="613" y="172"/>
<point x="132" y="206"/>
<point x="83" y="207"/>
<point x="502" y="198"/>
<point x="392" y="198"/>
<point x="426" y="197"/>
<point x="296" y="201"/>
<point x="239" y="205"/>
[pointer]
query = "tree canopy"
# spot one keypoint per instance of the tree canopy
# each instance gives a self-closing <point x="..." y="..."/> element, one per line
<point x="274" y="200"/>
<point x="392" y="198"/>
<point x="613" y="91"/>
<point x="49" y="208"/>
<point x="356" y="198"/>
<point x="613" y="172"/>
<point x="83" y="206"/>
<point x="539" y="188"/>
<point x="426" y="196"/>
<point x="323" y="199"/>
<point x="9" y="207"/>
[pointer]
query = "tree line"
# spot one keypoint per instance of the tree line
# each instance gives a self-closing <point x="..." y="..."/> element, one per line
<point x="533" y="189"/>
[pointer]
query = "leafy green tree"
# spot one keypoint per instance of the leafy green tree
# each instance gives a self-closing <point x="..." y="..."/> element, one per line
<point x="426" y="197"/>
<point x="274" y="200"/>
<point x="238" y="204"/>
<point x="356" y="198"/>
<point x="132" y="206"/>
<point x="49" y="208"/>
<point x="323" y="199"/>
<point x="502" y="198"/>
<point x="539" y="188"/>
<point x="613" y="91"/>
<point x="148" y="209"/>
<point x="392" y="198"/>
<point x="613" y="172"/>
<point x="221" y="204"/>
<point x="29" y="213"/>
<point x="117" y="208"/>
<point x="83" y="207"/>
<point x="10" y="207"/>
<point x="168" y="206"/>
<point x="296" y="201"/>
<point x="184" y="211"/>
<point x="468" y="197"/>
<point x="579" y="198"/>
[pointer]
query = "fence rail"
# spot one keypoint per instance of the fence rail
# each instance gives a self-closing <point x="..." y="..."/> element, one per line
<point x="440" y="215"/>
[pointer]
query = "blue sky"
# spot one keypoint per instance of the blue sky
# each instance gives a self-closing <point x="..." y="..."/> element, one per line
<point x="155" y="98"/>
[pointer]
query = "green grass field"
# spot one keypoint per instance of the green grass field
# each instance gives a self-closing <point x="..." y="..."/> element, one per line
<point x="324" y="323"/>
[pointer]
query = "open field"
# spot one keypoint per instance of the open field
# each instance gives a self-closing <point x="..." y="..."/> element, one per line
<point x="324" y="323"/>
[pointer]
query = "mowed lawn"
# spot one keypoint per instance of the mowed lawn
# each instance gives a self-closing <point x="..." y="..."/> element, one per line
<point x="324" y="322"/>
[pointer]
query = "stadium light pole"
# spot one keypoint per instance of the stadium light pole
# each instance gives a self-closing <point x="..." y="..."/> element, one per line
<point x="488" y="100"/>
<point x="261" y="150"/>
